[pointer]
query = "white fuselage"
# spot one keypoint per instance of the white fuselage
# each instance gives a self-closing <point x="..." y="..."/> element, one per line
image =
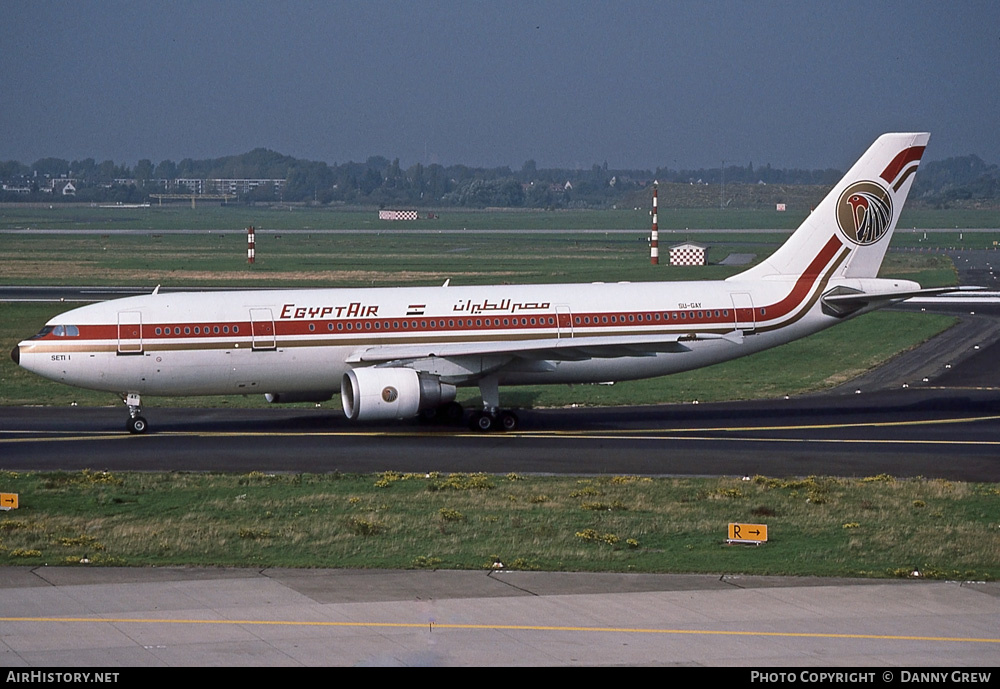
<point x="303" y="341"/>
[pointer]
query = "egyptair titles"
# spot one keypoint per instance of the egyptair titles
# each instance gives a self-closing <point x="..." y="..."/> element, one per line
<point x="357" y="309"/>
<point x="503" y="305"/>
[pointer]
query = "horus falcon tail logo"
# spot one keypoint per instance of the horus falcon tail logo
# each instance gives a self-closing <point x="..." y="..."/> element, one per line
<point x="864" y="212"/>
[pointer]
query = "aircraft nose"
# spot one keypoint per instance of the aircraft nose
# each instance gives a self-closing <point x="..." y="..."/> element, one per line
<point x="15" y="354"/>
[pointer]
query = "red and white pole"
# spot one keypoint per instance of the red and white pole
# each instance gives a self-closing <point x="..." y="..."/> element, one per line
<point x="654" y="238"/>
<point x="250" y="245"/>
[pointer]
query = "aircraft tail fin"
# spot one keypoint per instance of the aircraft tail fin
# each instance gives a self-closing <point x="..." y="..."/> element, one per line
<point x="859" y="213"/>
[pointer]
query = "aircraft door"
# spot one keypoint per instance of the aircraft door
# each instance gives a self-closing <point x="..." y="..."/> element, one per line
<point x="564" y="321"/>
<point x="129" y="332"/>
<point x="743" y="310"/>
<point x="262" y="329"/>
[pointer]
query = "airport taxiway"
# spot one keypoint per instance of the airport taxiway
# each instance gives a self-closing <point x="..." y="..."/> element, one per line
<point x="902" y="433"/>
<point x="102" y="619"/>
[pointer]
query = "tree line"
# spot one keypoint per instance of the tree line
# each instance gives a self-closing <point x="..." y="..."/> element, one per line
<point x="382" y="182"/>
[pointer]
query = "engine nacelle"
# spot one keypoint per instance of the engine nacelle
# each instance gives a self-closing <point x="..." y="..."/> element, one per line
<point x="290" y="397"/>
<point x="391" y="393"/>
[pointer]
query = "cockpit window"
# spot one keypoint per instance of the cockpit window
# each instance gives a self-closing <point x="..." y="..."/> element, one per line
<point x="58" y="331"/>
<point x="43" y="332"/>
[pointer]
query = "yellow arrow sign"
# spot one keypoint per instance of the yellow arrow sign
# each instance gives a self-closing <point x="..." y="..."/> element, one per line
<point x="8" y="501"/>
<point x="748" y="532"/>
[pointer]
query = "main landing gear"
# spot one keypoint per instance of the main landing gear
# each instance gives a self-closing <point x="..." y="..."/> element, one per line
<point x="493" y="420"/>
<point x="483" y="420"/>
<point x="136" y="424"/>
<point x="492" y="417"/>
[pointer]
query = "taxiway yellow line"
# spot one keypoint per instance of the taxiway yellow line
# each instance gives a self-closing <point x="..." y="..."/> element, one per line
<point x="20" y="436"/>
<point x="799" y="427"/>
<point x="513" y="436"/>
<point x="59" y="438"/>
<point x="502" y="627"/>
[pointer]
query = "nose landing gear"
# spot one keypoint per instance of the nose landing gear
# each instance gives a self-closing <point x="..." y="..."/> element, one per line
<point x="136" y="424"/>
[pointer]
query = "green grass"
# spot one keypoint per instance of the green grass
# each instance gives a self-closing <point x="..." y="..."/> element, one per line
<point x="325" y="260"/>
<point x="875" y="527"/>
<point x="387" y="259"/>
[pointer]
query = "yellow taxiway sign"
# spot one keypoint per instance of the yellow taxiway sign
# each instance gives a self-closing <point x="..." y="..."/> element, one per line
<point x="748" y="533"/>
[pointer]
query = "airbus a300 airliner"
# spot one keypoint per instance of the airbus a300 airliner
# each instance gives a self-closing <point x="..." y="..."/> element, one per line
<point x="396" y="353"/>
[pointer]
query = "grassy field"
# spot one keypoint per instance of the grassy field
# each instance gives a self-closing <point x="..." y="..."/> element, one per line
<point x="342" y="260"/>
<point x="387" y="259"/>
<point x="872" y="527"/>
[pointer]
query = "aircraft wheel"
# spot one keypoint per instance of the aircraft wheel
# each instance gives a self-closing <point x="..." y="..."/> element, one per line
<point x="137" y="425"/>
<point x="508" y="421"/>
<point x="482" y="421"/>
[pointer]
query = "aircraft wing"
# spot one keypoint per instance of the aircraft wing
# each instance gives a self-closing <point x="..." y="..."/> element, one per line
<point x="554" y="349"/>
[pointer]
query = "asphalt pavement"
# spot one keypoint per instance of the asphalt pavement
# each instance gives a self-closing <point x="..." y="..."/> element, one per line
<point x="105" y="620"/>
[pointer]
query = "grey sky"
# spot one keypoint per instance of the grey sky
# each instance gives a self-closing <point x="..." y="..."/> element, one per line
<point x="568" y="84"/>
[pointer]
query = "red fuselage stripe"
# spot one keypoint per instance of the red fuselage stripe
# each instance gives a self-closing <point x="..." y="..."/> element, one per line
<point x="805" y="282"/>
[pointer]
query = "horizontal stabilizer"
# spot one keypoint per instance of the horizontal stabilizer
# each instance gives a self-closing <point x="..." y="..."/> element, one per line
<point x="841" y="301"/>
<point x="865" y="298"/>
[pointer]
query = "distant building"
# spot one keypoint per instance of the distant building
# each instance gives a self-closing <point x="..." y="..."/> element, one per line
<point x="242" y="186"/>
<point x="62" y="185"/>
<point x="194" y="186"/>
<point x="227" y="186"/>
<point x="688" y="254"/>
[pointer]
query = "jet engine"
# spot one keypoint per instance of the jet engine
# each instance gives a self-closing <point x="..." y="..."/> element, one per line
<point x="391" y="393"/>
